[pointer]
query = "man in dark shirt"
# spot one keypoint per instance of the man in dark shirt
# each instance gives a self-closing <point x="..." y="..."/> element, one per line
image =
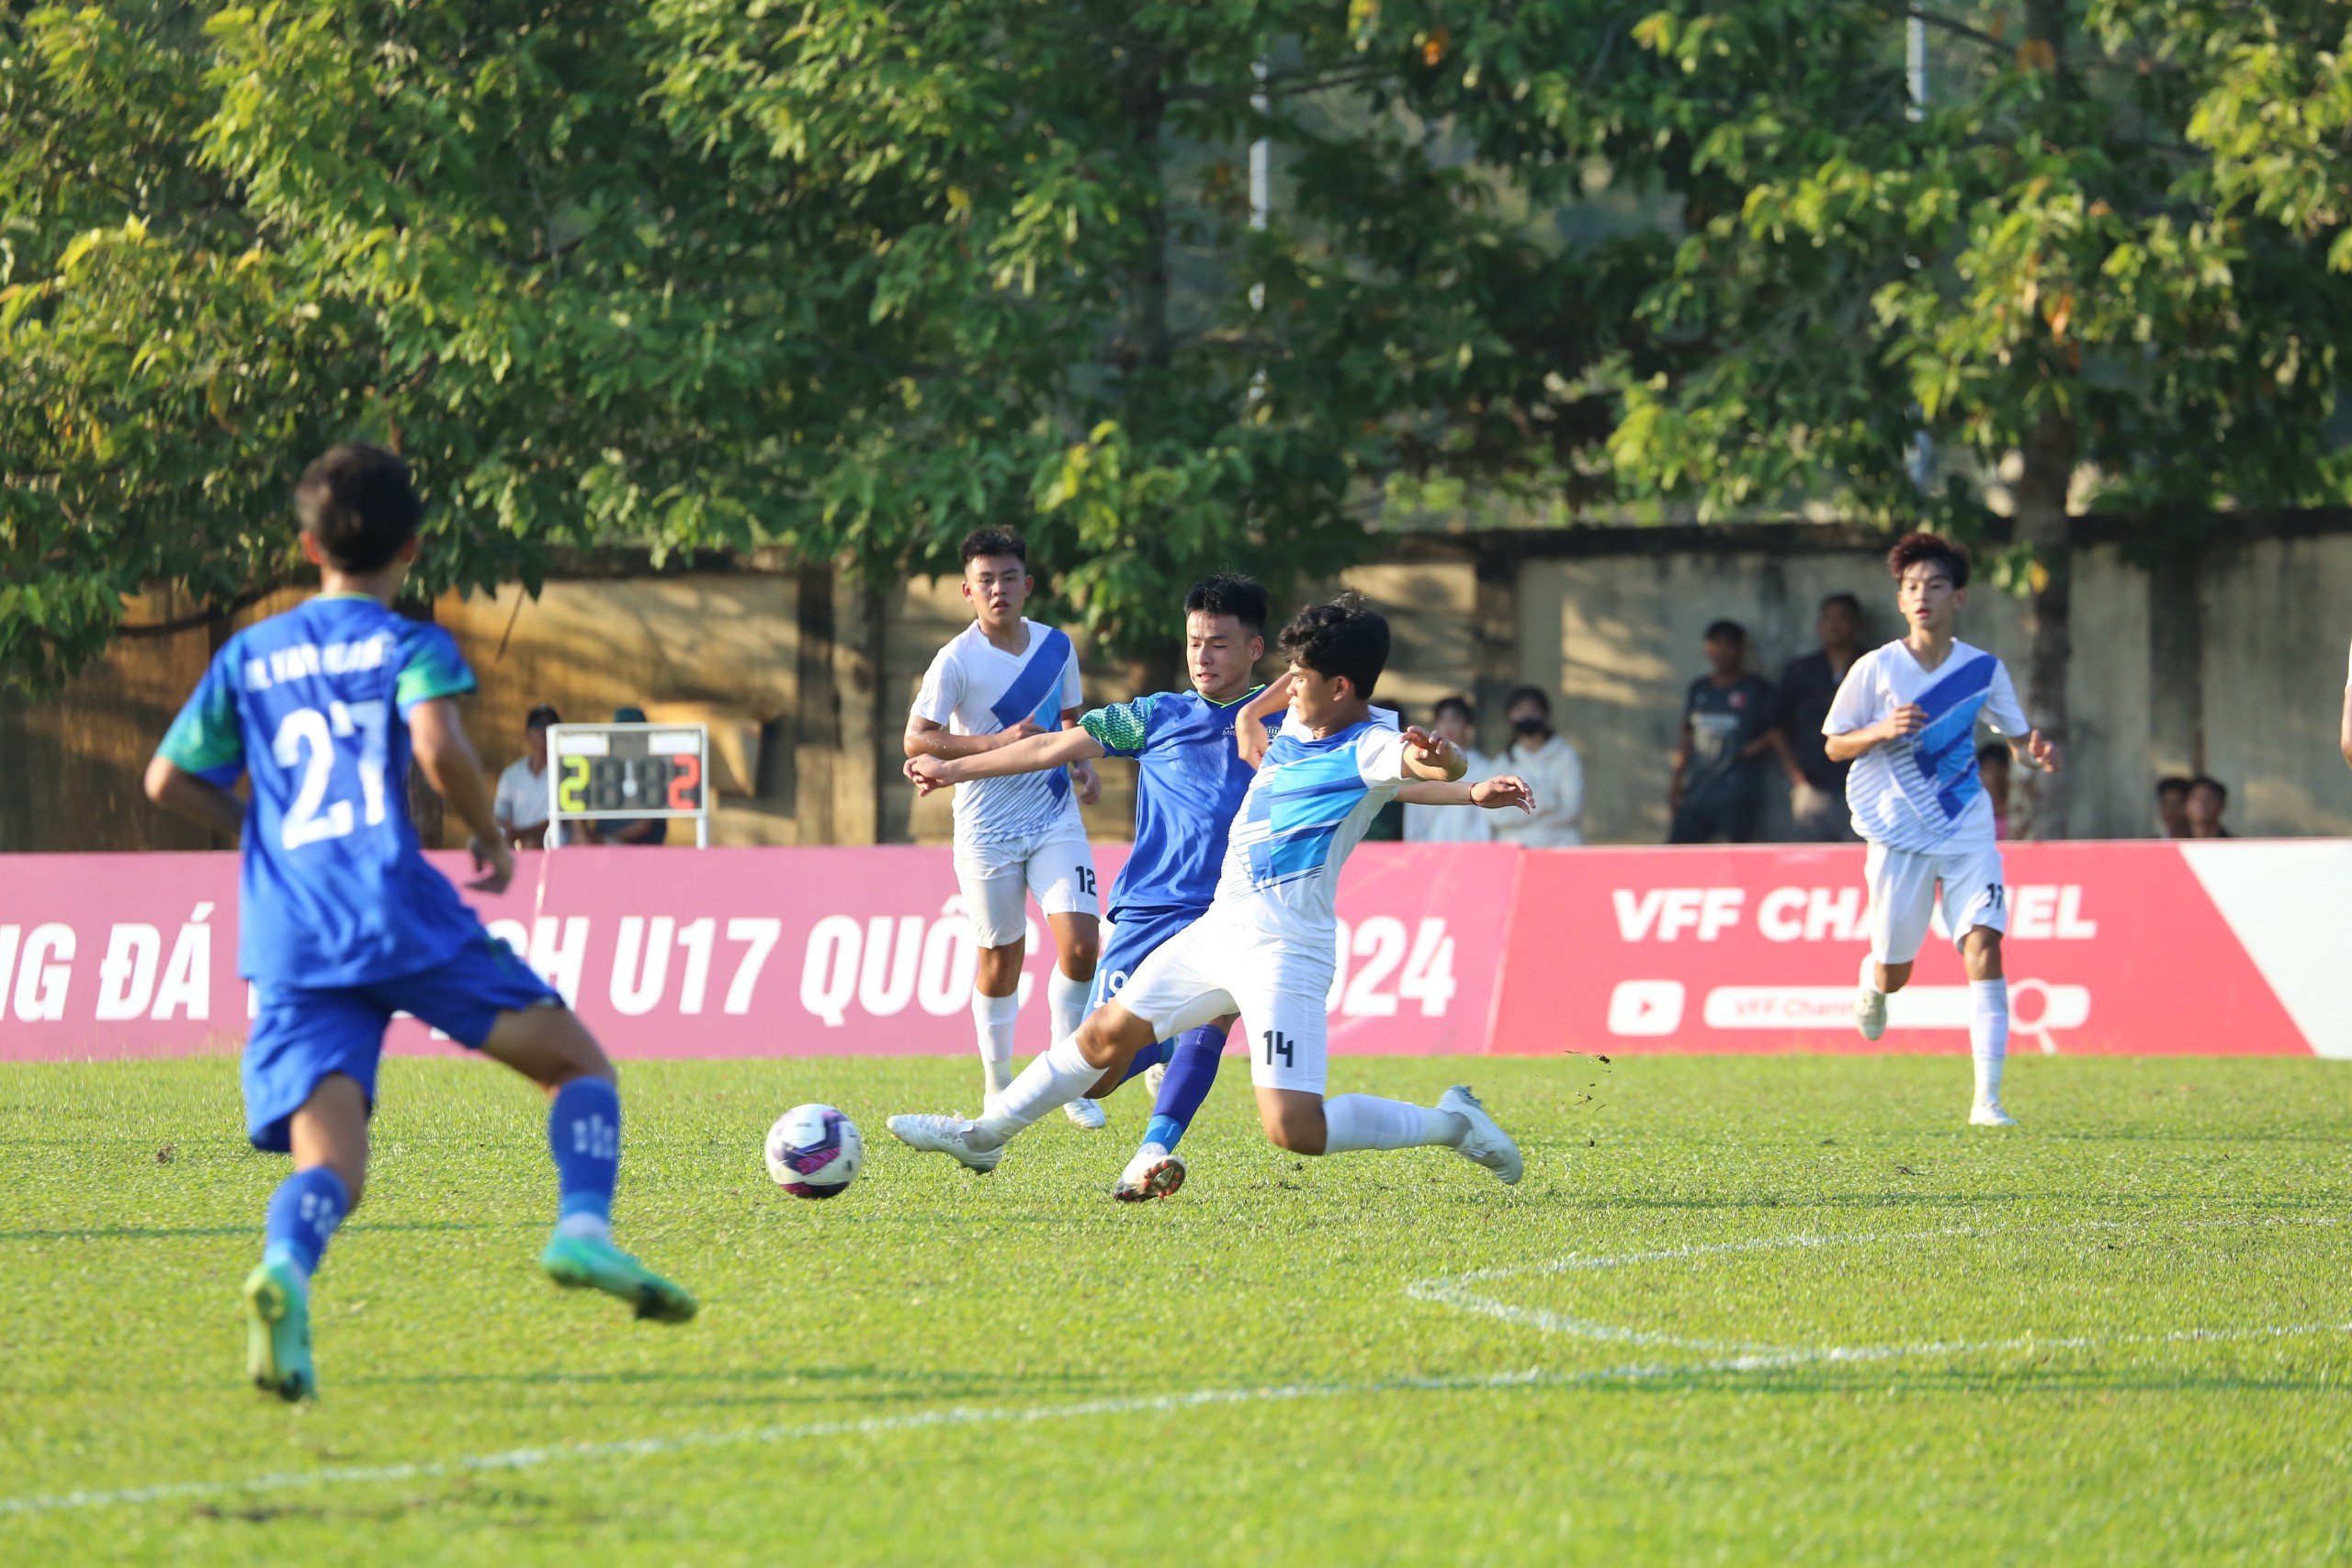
<point x="1727" y="725"/>
<point x="1808" y="685"/>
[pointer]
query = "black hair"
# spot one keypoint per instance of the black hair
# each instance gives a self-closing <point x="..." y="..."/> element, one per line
<point x="359" y="504"/>
<point x="1913" y="548"/>
<point x="1528" y="695"/>
<point x="1230" y="593"/>
<point x="1726" y="631"/>
<point x="2207" y="781"/>
<point x="1459" y="704"/>
<point x="2173" y="784"/>
<point x="995" y="542"/>
<point x="1345" y="637"/>
<point x="541" y="717"/>
<point x="1852" y="606"/>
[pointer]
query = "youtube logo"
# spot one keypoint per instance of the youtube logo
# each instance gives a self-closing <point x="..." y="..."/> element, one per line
<point x="1646" y="1009"/>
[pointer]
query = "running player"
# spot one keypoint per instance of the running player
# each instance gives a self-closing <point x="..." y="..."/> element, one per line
<point x="1002" y="678"/>
<point x="1190" y="775"/>
<point x="1906" y="717"/>
<point x="1266" y="945"/>
<point x="341" y="923"/>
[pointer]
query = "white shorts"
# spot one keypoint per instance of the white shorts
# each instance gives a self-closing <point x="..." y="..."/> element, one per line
<point x="1908" y="885"/>
<point x="1210" y="969"/>
<point x="1058" y="865"/>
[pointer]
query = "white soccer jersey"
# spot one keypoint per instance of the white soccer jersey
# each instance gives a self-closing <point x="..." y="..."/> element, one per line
<point x="1922" y="792"/>
<point x="976" y="688"/>
<point x="1306" y="808"/>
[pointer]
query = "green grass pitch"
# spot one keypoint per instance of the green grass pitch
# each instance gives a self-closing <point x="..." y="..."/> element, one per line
<point x="1740" y="1310"/>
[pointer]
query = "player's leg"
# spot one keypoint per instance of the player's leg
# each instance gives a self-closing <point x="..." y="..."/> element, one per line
<point x="1061" y="877"/>
<point x="1902" y="890"/>
<point x="1288" y="1069"/>
<point x="993" y="891"/>
<point x="309" y="1072"/>
<point x="1157" y="1169"/>
<point x="1976" y="910"/>
<point x="489" y="1000"/>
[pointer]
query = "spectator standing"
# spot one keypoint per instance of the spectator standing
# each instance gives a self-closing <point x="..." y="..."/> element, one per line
<point x="1993" y="771"/>
<point x="1553" y="771"/>
<point x="1808" y="685"/>
<point x="2207" y="799"/>
<point x="1453" y="718"/>
<point x="2172" y="808"/>
<point x="632" y="829"/>
<point x="1728" y="723"/>
<point x="521" y="805"/>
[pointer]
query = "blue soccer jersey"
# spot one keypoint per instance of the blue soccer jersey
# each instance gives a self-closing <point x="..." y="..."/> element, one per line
<point x="314" y="704"/>
<point x="1189" y="781"/>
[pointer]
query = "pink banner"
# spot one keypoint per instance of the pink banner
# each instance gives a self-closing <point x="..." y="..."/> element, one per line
<point x="2132" y="948"/>
<point x="716" y="953"/>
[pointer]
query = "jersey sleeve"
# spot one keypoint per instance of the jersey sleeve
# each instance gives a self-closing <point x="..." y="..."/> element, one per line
<point x="1850" y="709"/>
<point x="1073" y="689"/>
<point x="207" y="738"/>
<point x="941" y="688"/>
<point x="1380" y="757"/>
<point x="1122" y="730"/>
<point x="431" y="667"/>
<point x="2002" y="710"/>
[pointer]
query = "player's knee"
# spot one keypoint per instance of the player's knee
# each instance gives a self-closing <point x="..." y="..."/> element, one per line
<point x="1080" y="955"/>
<point x="1095" y="1042"/>
<point x="998" y="970"/>
<point x="1897" y="976"/>
<point x="1291" y="1129"/>
<point x="1980" y="953"/>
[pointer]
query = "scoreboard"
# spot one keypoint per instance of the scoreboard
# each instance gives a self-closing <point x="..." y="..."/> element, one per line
<point x="628" y="771"/>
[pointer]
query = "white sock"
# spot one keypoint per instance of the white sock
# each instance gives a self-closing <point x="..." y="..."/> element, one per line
<point x="1988" y="1035"/>
<point x="1869" y="973"/>
<point x="1050" y="1081"/>
<point x="1354" y="1121"/>
<point x="993" y="1018"/>
<point x="1065" y="1002"/>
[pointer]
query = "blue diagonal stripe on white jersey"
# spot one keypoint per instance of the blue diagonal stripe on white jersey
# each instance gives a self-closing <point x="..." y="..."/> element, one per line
<point x="1039" y="681"/>
<point x="1943" y="755"/>
<point x="1309" y="788"/>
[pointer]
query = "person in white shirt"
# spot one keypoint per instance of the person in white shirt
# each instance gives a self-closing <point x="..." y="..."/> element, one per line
<point x="1453" y="719"/>
<point x="1906" y="717"/>
<point x="1002" y="678"/>
<point x="521" y="805"/>
<point x="1265" y="949"/>
<point x="1553" y="771"/>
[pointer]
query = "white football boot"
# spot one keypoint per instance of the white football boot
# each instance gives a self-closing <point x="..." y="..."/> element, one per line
<point x="1153" y="1173"/>
<point x="1870" y="1011"/>
<point x="1486" y="1144"/>
<point x="946" y="1135"/>
<point x="1988" y="1114"/>
<point x="1087" y="1113"/>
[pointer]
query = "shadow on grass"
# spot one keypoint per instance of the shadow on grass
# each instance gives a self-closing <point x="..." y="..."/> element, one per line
<point x="174" y="1232"/>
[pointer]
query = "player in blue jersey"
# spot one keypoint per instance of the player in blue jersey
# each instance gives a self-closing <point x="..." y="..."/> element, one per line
<point x="1191" y="776"/>
<point x="1906" y="717"/>
<point x="1265" y="946"/>
<point x="341" y="923"/>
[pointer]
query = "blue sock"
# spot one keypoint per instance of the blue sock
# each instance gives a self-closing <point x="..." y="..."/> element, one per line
<point x="303" y="1212"/>
<point x="1154" y="1055"/>
<point x="1191" y="1072"/>
<point x="585" y="1135"/>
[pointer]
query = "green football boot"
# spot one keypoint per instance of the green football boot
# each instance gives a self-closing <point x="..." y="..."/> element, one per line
<point x="277" y="1332"/>
<point x="580" y="1263"/>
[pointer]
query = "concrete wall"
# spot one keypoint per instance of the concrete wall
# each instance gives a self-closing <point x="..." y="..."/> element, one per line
<point x="2230" y="664"/>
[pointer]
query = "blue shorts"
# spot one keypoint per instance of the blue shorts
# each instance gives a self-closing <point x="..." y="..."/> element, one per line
<point x="300" y="1036"/>
<point x="1136" y="934"/>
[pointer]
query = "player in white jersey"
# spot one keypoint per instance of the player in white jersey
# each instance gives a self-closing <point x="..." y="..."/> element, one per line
<point x="1265" y="948"/>
<point x="1906" y="717"/>
<point x="1002" y="678"/>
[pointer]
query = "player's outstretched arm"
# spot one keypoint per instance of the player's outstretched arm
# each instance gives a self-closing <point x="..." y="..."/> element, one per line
<point x="451" y="765"/>
<point x="1430" y="756"/>
<point x="2034" y="749"/>
<point x="199" y="800"/>
<point x="1497" y="793"/>
<point x="1251" y="737"/>
<point x="929" y="737"/>
<point x="1031" y="754"/>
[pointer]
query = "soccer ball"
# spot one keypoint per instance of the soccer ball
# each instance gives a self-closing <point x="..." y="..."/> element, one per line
<point x="814" y="1151"/>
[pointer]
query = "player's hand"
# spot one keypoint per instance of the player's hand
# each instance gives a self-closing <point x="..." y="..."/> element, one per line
<point x="1426" y="748"/>
<point x="2041" y="751"/>
<point x="1503" y="792"/>
<point x="1904" y="722"/>
<point x="926" y="773"/>
<point x="1022" y="731"/>
<point x="494" y="861"/>
<point x="1086" y="781"/>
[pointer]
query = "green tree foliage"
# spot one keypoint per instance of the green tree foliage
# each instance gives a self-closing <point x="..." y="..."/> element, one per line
<point x="851" y="277"/>
<point x="2095" y="270"/>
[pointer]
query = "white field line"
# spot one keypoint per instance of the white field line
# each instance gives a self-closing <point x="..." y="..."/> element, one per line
<point x="1449" y="1292"/>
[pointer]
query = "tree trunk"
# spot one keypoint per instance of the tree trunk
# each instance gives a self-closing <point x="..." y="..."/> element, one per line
<point x="2037" y="805"/>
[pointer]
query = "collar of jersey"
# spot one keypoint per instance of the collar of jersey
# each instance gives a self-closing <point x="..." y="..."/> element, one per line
<point x="1242" y="698"/>
<point x="336" y="598"/>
